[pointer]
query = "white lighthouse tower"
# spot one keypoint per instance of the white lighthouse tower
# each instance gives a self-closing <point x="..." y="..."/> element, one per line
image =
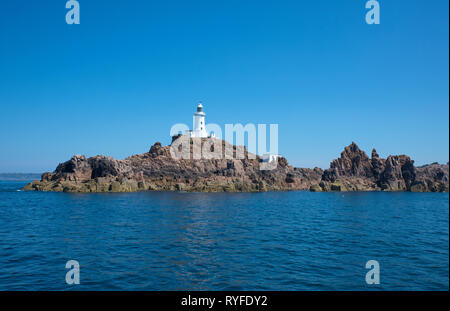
<point x="199" y="129"/>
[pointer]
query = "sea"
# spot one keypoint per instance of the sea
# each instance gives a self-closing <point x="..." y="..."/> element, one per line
<point x="295" y="241"/>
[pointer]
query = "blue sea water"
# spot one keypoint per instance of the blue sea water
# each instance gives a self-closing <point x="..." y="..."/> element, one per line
<point x="223" y="241"/>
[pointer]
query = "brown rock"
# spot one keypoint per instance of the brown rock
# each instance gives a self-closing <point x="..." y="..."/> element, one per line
<point x="353" y="163"/>
<point x="220" y="170"/>
<point x="398" y="174"/>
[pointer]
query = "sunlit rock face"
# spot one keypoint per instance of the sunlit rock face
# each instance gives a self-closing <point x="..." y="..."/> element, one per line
<point x="219" y="166"/>
<point x="213" y="165"/>
<point x="354" y="171"/>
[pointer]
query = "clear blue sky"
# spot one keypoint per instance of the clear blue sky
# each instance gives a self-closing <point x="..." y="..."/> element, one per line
<point x="117" y="82"/>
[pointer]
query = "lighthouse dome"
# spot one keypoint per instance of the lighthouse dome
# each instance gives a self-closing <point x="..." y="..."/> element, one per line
<point x="199" y="107"/>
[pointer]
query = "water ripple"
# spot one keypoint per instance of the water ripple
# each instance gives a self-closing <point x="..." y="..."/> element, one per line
<point x="200" y="241"/>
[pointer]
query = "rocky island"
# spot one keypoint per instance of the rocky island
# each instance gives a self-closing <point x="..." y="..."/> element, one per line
<point x="158" y="170"/>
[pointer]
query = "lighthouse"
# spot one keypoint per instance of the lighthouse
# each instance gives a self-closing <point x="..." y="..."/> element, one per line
<point x="199" y="129"/>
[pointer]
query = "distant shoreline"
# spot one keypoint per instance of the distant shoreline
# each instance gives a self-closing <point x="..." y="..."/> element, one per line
<point x="19" y="176"/>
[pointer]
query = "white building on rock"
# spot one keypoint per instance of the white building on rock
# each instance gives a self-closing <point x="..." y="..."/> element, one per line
<point x="199" y="129"/>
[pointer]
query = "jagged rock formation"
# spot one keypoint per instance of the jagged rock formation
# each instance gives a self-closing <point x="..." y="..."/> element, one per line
<point x="352" y="163"/>
<point x="354" y="171"/>
<point x="223" y="167"/>
<point x="431" y="178"/>
<point x="159" y="170"/>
